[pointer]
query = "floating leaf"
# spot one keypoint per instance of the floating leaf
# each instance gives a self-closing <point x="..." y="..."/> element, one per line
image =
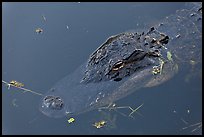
<point x="19" y="85"/>
<point x="16" y="84"/>
<point x="99" y="124"/>
<point x="169" y="56"/>
<point x="71" y="120"/>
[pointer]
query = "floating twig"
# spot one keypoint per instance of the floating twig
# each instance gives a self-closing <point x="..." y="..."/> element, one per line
<point x="20" y="87"/>
<point x="114" y="107"/>
<point x="197" y="125"/>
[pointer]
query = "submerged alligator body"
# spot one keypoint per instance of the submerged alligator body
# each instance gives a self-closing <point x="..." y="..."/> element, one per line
<point x="128" y="61"/>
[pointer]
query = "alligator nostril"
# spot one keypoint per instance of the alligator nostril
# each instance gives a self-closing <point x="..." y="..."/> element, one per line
<point x="53" y="102"/>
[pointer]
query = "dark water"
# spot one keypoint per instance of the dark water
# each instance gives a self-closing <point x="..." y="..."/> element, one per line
<point x="40" y="60"/>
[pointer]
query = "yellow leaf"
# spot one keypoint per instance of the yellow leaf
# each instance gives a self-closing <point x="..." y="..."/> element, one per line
<point x="71" y="120"/>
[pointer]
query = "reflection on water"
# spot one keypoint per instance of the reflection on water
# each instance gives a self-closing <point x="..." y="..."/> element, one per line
<point x="43" y="42"/>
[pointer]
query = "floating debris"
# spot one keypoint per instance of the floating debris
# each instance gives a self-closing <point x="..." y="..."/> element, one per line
<point x="184" y="121"/>
<point x="39" y="30"/>
<point x="169" y="56"/>
<point x="134" y="110"/>
<point x="159" y="68"/>
<point x="100" y="124"/>
<point x="156" y="70"/>
<point x="19" y="85"/>
<point x="196" y="125"/>
<point x="16" y="84"/>
<point x="178" y="36"/>
<point x="44" y="18"/>
<point x="71" y="120"/>
<point x="8" y="86"/>
<point x="114" y="107"/>
<point x="192" y="62"/>
<point x="109" y="118"/>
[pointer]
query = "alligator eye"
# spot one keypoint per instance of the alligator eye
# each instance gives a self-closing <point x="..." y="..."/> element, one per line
<point x="118" y="66"/>
<point x="164" y="40"/>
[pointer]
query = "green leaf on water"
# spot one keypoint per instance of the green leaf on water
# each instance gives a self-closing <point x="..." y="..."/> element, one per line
<point x="169" y="56"/>
<point x="71" y="120"/>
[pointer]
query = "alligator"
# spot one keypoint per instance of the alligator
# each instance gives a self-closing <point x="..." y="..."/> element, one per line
<point x="127" y="62"/>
